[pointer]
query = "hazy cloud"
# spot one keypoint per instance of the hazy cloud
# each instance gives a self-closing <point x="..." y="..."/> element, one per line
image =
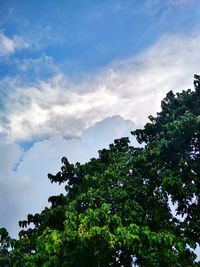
<point x="26" y="188"/>
<point x="9" y="45"/>
<point x="36" y="64"/>
<point x="180" y="2"/>
<point x="16" y="189"/>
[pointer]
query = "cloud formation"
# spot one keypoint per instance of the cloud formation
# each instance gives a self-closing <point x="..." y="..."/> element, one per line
<point x="8" y="45"/>
<point x="26" y="188"/>
<point x="132" y="88"/>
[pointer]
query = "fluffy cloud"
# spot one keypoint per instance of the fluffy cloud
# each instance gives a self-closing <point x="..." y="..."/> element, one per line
<point x="9" y="45"/>
<point x="23" y="175"/>
<point x="132" y="88"/>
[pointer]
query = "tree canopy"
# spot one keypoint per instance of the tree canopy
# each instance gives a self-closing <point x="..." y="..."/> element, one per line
<point x="116" y="210"/>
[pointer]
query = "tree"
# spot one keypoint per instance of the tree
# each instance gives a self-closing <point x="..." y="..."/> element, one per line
<point x="116" y="210"/>
<point x="173" y="143"/>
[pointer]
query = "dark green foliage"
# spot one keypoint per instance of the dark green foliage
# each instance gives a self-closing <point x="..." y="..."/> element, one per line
<point x="116" y="210"/>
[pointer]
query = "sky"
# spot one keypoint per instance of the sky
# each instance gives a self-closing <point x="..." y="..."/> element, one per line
<point x="75" y="75"/>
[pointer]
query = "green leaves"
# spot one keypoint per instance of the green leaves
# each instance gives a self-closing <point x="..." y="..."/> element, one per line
<point x="116" y="210"/>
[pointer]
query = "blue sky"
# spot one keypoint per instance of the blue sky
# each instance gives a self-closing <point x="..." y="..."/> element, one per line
<point x="83" y="36"/>
<point x="74" y="75"/>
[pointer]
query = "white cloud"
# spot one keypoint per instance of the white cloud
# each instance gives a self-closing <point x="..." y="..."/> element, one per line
<point x="9" y="45"/>
<point x="131" y="88"/>
<point x="27" y="189"/>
